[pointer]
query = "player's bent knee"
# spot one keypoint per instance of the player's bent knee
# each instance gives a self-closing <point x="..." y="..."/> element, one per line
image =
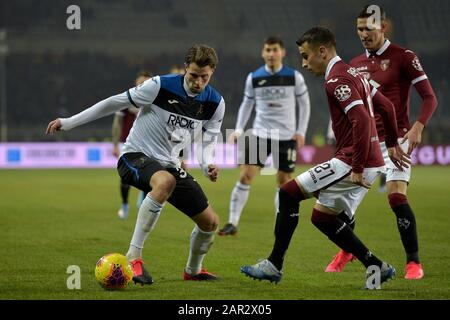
<point x="208" y="226"/>
<point x="207" y="221"/>
<point x="248" y="174"/>
<point x="397" y="199"/>
<point x="288" y="204"/>
<point x="213" y="224"/>
<point x="292" y="189"/>
<point x="289" y="197"/>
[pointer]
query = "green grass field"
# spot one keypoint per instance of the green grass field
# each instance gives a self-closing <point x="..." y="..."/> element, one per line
<point x="51" y="219"/>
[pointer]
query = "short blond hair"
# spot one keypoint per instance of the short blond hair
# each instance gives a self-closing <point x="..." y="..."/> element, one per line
<point x="202" y="55"/>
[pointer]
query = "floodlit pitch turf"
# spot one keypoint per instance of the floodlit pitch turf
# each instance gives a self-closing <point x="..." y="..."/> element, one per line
<point x="51" y="219"/>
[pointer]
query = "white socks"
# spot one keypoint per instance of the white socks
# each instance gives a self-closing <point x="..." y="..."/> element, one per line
<point x="148" y="215"/>
<point x="201" y="241"/>
<point x="238" y="199"/>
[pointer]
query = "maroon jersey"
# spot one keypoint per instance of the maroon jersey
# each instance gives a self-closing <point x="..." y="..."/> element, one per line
<point x="392" y="70"/>
<point x="352" y="117"/>
<point x="128" y="120"/>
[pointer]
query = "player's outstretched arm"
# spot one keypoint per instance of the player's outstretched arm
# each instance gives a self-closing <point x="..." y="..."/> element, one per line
<point x="98" y="110"/>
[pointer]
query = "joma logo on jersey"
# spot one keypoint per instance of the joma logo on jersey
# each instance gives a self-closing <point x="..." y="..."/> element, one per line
<point x="261" y="82"/>
<point x="182" y="122"/>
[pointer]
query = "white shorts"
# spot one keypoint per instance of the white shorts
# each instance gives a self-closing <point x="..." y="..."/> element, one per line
<point x="392" y="173"/>
<point x="330" y="183"/>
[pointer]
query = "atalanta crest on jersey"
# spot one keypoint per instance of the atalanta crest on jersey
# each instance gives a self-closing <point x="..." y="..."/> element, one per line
<point x="416" y="64"/>
<point x="384" y="64"/>
<point x="342" y="92"/>
<point x="200" y="110"/>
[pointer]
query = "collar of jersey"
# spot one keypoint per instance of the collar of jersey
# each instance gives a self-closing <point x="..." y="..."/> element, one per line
<point x="187" y="91"/>
<point x="380" y="51"/>
<point x="331" y="64"/>
<point x="270" y="72"/>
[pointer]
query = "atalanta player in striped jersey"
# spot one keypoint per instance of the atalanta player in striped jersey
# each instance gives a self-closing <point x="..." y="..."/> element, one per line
<point x="175" y="110"/>
<point x="275" y="91"/>
<point x="393" y="70"/>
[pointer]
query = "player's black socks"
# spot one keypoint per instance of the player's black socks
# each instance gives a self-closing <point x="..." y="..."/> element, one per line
<point x="286" y="222"/>
<point x="124" y="190"/>
<point x="342" y="235"/>
<point x="350" y="222"/>
<point x="406" y="224"/>
<point x="382" y="180"/>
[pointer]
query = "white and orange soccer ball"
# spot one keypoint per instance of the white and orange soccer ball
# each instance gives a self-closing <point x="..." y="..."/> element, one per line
<point x="113" y="271"/>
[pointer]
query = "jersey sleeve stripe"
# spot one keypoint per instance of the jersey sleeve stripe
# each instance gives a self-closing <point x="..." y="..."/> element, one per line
<point x="418" y="79"/>
<point x="373" y="92"/>
<point x="299" y="95"/>
<point x="249" y="97"/>
<point x="351" y="105"/>
<point x="131" y="100"/>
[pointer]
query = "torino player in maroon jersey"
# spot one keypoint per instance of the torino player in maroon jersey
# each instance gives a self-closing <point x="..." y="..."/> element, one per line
<point x="122" y="123"/>
<point x="392" y="70"/>
<point x="340" y="183"/>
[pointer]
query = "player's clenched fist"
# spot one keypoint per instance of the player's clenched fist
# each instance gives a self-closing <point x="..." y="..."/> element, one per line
<point x="234" y="137"/>
<point x="213" y="172"/>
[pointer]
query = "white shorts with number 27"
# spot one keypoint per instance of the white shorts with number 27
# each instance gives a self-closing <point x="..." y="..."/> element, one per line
<point x="330" y="183"/>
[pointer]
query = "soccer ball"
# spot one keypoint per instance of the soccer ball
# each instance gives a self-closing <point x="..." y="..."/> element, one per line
<point x="113" y="271"/>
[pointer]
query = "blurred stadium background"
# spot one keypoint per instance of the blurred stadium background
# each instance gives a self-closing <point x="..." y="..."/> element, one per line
<point x="47" y="70"/>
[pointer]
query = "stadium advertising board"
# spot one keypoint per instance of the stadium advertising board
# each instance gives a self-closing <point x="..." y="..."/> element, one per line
<point x="99" y="155"/>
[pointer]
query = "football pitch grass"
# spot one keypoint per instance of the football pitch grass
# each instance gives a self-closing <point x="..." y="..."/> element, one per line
<point x="52" y="219"/>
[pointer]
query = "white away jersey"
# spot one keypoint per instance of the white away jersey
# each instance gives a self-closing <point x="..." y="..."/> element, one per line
<point x="170" y="119"/>
<point x="275" y="96"/>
